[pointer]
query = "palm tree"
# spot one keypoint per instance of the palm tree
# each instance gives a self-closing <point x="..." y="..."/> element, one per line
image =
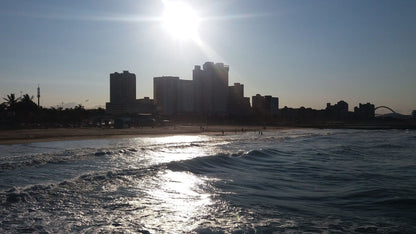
<point x="26" y="104"/>
<point x="11" y="100"/>
<point x="27" y="99"/>
<point x="26" y="109"/>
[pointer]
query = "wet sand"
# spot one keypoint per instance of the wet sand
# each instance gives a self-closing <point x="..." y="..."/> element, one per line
<point x="23" y="136"/>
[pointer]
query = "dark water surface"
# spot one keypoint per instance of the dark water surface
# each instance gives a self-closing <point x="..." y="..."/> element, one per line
<point x="291" y="181"/>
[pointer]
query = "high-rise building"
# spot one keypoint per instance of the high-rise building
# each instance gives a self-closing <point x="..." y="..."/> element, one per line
<point x="238" y="105"/>
<point x="122" y="87"/>
<point x="273" y="103"/>
<point x="123" y="96"/>
<point x="265" y="106"/>
<point x="165" y="94"/>
<point x="337" y="111"/>
<point x="201" y="90"/>
<point x="365" y="111"/>
<point x="236" y="91"/>
<point x="211" y="89"/>
<point x="172" y="95"/>
<point x="185" y="96"/>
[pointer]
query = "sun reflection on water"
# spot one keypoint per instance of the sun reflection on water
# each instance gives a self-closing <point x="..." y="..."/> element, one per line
<point x="179" y="139"/>
<point x="175" y="202"/>
<point x="176" y="148"/>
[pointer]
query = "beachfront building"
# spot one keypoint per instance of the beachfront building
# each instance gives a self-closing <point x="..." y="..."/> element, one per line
<point x="364" y="111"/>
<point x="172" y="95"/>
<point x="122" y="93"/>
<point x="165" y="94"/>
<point x="185" y="96"/>
<point x="123" y="96"/>
<point x="302" y="114"/>
<point x="337" y="111"/>
<point x="238" y="105"/>
<point x="122" y="87"/>
<point x="265" y="106"/>
<point x="211" y="89"/>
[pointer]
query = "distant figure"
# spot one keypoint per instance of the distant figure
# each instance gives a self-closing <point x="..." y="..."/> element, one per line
<point x="222" y="132"/>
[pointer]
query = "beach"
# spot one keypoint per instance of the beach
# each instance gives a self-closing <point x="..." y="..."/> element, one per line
<point x="23" y="136"/>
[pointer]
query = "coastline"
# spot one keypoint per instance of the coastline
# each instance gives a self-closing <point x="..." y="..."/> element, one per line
<point x="25" y="136"/>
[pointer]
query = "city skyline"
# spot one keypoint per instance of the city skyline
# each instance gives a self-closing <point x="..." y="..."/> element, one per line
<point x="307" y="53"/>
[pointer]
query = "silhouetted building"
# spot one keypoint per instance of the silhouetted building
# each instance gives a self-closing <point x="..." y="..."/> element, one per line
<point x="122" y="93"/>
<point x="236" y="91"/>
<point x="165" y="94"/>
<point x="211" y="89"/>
<point x="414" y="114"/>
<point x="364" y="111"/>
<point x="185" y="96"/>
<point x="266" y="106"/>
<point x="338" y="111"/>
<point x="238" y="105"/>
<point x="301" y="115"/>
<point x="173" y="95"/>
<point x="122" y="87"/>
<point x="123" y="96"/>
<point x="145" y="106"/>
<point x="273" y="102"/>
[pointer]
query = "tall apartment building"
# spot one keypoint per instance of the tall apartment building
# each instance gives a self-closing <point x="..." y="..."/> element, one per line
<point x="165" y="94"/>
<point x="123" y="96"/>
<point x="122" y="93"/>
<point x="173" y="95"/>
<point x="238" y="105"/>
<point x="211" y="89"/>
<point x="365" y="111"/>
<point x="337" y="111"/>
<point x="122" y="87"/>
<point x="265" y="106"/>
<point x="185" y="96"/>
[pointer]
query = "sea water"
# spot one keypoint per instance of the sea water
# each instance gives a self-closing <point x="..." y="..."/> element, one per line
<point x="287" y="181"/>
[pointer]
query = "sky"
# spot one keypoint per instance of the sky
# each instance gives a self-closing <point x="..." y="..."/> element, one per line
<point x="306" y="52"/>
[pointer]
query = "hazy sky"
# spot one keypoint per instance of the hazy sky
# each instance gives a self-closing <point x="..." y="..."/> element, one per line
<point x="306" y="52"/>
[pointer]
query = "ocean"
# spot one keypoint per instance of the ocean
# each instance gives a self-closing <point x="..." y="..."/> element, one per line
<point x="286" y="181"/>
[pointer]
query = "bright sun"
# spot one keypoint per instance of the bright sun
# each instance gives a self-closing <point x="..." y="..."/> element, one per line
<point x="180" y="20"/>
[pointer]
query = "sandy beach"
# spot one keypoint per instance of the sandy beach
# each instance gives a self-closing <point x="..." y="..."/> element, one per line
<point x="23" y="136"/>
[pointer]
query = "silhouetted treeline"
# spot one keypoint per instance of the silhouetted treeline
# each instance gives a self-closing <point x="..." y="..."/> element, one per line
<point x="23" y="112"/>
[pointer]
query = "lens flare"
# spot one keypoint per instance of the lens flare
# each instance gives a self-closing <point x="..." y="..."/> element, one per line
<point x="180" y="20"/>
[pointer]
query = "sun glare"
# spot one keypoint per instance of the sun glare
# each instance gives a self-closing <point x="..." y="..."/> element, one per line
<point x="180" y="20"/>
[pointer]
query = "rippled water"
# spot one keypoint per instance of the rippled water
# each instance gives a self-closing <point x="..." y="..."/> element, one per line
<point x="292" y="181"/>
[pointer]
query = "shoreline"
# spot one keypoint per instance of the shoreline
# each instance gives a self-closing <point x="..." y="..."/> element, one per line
<point x="25" y="136"/>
